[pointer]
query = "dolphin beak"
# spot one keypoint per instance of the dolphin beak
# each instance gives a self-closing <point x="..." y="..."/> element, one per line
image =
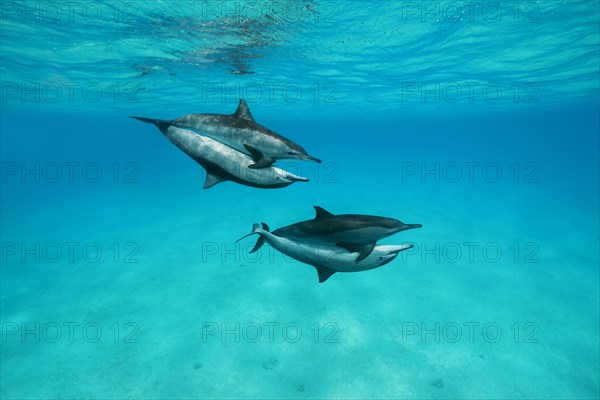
<point x="394" y="250"/>
<point x="296" y="178"/>
<point x="311" y="158"/>
<point x="406" y="227"/>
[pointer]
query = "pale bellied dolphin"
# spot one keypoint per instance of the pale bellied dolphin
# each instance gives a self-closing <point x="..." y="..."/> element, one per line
<point x="241" y="132"/>
<point x="326" y="258"/>
<point x="354" y="232"/>
<point x="221" y="162"/>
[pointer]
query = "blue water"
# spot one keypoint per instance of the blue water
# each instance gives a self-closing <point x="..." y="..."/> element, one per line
<point x="121" y="277"/>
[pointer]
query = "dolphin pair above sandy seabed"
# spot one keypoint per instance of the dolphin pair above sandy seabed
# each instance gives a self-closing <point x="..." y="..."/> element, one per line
<point x="233" y="147"/>
<point x="221" y="162"/>
<point x="335" y="243"/>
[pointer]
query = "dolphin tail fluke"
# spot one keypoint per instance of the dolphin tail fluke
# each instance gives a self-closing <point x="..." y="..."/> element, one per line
<point x="144" y="119"/>
<point x="256" y="229"/>
<point x="160" y="123"/>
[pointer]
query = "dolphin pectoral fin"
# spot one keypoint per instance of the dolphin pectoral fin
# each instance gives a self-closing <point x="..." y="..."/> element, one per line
<point x="212" y="180"/>
<point x="324" y="273"/>
<point x="322" y="213"/>
<point x="243" y="111"/>
<point x="260" y="161"/>
<point x="365" y="251"/>
<point x="351" y="247"/>
<point x="255" y="153"/>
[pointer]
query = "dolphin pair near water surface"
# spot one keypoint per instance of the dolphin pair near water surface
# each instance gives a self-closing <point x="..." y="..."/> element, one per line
<point x="228" y="145"/>
<point x="221" y="162"/>
<point x="335" y="243"/>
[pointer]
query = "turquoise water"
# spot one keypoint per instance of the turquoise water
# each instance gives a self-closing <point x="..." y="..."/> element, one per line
<point x="121" y="277"/>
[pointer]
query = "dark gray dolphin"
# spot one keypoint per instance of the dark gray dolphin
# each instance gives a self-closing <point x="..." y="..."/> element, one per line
<point x="354" y="232"/>
<point x="241" y="132"/>
<point x="327" y="258"/>
<point x="221" y="162"/>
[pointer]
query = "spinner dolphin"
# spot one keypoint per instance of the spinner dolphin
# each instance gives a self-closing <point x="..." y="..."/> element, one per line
<point x="354" y="232"/>
<point x="326" y="258"/>
<point x="241" y="132"/>
<point x="221" y="162"/>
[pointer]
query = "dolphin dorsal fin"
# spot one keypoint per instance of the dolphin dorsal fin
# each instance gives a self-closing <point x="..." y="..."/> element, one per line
<point x="243" y="111"/>
<point x="322" y="213"/>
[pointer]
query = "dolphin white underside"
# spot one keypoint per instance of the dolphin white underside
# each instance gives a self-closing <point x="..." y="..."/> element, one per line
<point x="331" y="256"/>
<point x="206" y="150"/>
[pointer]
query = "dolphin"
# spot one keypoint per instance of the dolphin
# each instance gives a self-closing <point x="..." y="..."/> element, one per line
<point x="241" y="132"/>
<point x="354" y="232"/>
<point x="221" y="162"/>
<point x="327" y="258"/>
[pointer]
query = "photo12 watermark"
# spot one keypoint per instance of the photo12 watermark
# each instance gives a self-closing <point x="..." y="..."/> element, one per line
<point x="68" y="332"/>
<point x="469" y="92"/>
<point x="33" y="12"/>
<point x="461" y="12"/>
<point x="277" y="11"/>
<point x="431" y="253"/>
<point x="203" y="11"/>
<point x="518" y="172"/>
<point x="50" y="172"/>
<point x="269" y="332"/>
<point x="269" y="92"/>
<point x="70" y="252"/>
<point x="69" y="92"/>
<point x="469" y="332"/>
<point x="316" y="173"/>
<point x="238" y="252"/>
<point x="471" y="252"/>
